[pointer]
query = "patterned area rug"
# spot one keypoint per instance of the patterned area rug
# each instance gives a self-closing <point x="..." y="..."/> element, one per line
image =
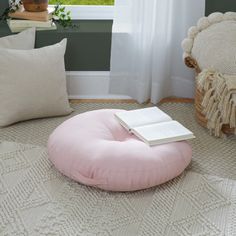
<point x="37" y="200"/>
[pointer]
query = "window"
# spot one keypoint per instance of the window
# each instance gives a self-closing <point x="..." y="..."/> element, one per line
<point x="88" y="9"/>
<point x="84" y="2"/>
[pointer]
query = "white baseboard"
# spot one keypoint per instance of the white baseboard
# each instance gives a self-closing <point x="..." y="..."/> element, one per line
<point x="90" y="85"/>
<point x="95" y="85"/>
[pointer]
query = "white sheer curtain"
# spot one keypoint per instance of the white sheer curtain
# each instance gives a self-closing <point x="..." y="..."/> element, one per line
<point x="146" y="55"/>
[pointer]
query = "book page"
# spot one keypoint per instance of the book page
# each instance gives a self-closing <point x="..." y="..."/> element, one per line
<point x="140" y="117"/>
<point x="163" y="132"/>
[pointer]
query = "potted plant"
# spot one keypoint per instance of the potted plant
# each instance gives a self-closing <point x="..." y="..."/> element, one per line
<point x="35" y="5"/>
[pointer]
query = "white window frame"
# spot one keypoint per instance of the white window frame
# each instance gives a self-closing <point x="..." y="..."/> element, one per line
<point x="90" y="12"/>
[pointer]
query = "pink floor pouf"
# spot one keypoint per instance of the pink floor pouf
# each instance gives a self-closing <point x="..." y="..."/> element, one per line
<point x="94" y="149"/>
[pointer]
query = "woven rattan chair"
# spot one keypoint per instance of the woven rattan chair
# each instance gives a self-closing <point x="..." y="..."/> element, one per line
<point x="211" y="45"/>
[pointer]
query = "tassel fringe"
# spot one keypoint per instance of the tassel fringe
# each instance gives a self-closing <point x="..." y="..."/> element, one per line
<point x="219" y="101"/>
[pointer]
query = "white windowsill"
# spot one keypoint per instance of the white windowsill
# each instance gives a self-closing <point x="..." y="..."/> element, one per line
<point x="81" y="12"/>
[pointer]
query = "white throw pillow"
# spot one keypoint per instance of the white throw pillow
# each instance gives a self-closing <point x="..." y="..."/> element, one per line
<point x="23" y="40"/>
<point x="33" y="84"/>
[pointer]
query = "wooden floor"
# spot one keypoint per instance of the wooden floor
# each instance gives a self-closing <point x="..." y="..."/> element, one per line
<point x="177" y="100"/>
<point x="165" y="100"/>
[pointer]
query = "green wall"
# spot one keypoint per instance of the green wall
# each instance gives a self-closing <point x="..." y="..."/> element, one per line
<point x="3" y="5"/>
<point x="220" y="5"/>
<point x="88" y="47"/>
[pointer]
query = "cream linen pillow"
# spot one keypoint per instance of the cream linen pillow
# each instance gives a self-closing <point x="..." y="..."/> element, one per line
<point x="33" y="84"/>
<point x="23" y="40"/>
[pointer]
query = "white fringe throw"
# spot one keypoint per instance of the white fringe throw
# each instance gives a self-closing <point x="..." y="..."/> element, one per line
<point x="219" y="101"/>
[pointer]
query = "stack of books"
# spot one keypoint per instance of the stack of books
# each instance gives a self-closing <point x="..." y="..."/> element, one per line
<point x="22" y="19"/>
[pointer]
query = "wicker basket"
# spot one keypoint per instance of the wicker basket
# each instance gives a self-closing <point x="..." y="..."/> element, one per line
<point x="201" y="119"/>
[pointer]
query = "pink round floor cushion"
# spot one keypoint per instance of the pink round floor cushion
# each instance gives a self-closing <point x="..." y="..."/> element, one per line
<point x="94" y="149"/>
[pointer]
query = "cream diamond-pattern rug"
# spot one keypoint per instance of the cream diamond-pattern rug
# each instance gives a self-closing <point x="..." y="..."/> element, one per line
<point x="35" y="199"/>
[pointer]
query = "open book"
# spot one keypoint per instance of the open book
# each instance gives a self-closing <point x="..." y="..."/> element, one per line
<point x="153" y="126"/>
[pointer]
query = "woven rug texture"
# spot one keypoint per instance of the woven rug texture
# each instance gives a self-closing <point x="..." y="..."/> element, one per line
<point x="35" y="199"/>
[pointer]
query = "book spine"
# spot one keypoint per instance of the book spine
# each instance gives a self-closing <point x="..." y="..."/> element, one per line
<point x="28" y="23"/>
<point x="19" y="29"/>
<point x="31" y="17"/>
